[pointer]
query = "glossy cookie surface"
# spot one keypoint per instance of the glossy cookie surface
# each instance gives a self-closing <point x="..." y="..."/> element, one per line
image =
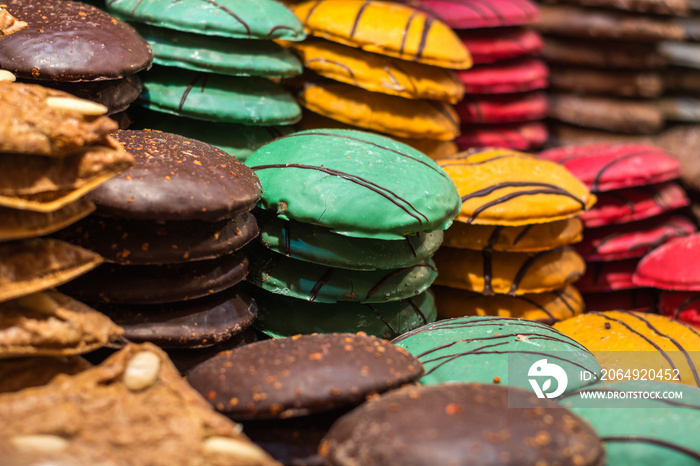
<point x="618" y="338"/>
<point x="517" y="136"/>
<point x="671" y="266"/>
<point x="320" y="245"/>
<point x="385" y="28"/>
<point x="281" y="316"/>
<point x="547" y="307"/>
<point x="506" y="187"/>
<point x="474" y="14"/>
<point x="478" y="349"/>
<point x="512" y="273"/>
<point x="381" y="112"/>
<point x="355" y="183"/>
<point x="379" y="73"/>
<point x="252" y="19"/>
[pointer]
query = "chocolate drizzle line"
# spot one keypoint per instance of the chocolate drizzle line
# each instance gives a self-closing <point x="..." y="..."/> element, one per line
<point x="487" y="258"/>
<point x="675" y="343"/>
<point x="344" y="67"/>
<point x="406" y="28"/>
<point x="231" y="13"/>
<point x="562" y="296"/>
<point x="204" y="77"/>
<point x="534" y="303"/>
<point x="424" y="36"/>
<point x="382" y="318"/>
<point x="481" y="162"/>
<point x="406" y="76"/>
<point x="526" y="267"/>
<point x="395" y="273"/>
<point x="275" y="28"/>
<point x="410" y="245"/>
<point x="522" y="234"/>
<point x="384" y="192"/>
<point x="596" y="180"/>
<point x="287" y="239"/>
<point x="641" y="335"/>
<point x="661" y="443"/>
<point x="686" y="303"/>
<point x="311" y="11"/>
<point x="357" y="19"/>
<point x="418" y="311"/>
<point x="378" y="146"/>
<point x="320" y="283"/>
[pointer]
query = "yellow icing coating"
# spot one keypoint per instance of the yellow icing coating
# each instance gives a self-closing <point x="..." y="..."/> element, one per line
<point x="511" y="188"/>
<point x="381" y="112"/>
<point x="513" y="273"/>
<point x="526" y="238"/>
<point x="385" y="28"/>
<point x="378" y="73"/>
<point x="618" y="337"/>
<point x="547" y="307"/>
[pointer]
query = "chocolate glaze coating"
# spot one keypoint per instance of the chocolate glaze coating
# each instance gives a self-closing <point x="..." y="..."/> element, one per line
<point x="302" y="375"/>
<point x="177" y="178"/>
<point x="143" y="242"/>
<point x="155" y="284"/>
<point x="462" y="424"/>
<point x="198" y="323"/>
<point x="71" y="41"/>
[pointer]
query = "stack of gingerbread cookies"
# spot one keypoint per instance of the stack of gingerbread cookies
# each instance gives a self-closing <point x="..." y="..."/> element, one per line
<point x="383" y="67"/>
<point x="171" y="231"/>
<point x="54" y="148"/>
<point x="637" y="196"/>
<point x="350" y="222"/>
<point x="508" y="253"/>
<point x="504" y="104"/>
<point x="215" y="63"/>
<point x="619" y="68"/>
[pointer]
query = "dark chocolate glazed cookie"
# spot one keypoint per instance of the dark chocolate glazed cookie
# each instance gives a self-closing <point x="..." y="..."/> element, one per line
<point x="462" y="424"/>
<point x="142" y="242"/>
<point x="71" y="41"/>
<point x="302" y="375"/>
<point x="177" y="178"/>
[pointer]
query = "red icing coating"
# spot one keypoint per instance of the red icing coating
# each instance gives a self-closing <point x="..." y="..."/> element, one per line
<point x="607" y="276"/>
<point x="608" y="166"/>
<point x="519" y="136"/>
<point x="627" y="205"/>
<point x="502" y="108"/>
<point x="632" y="239"/>
<point x="471" y="14"/>
<point x="521" y="75"/>
<point x="673" y="266"/>
<point x="492" y="45"/>
<point x="681" y="305"/>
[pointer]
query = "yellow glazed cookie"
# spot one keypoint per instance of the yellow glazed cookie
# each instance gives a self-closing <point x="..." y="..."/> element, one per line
<point x="638" y="342"/>
<point x="381" y="112"/>
<point x="433" y="148"/>
<point x="547" y="307"/>
<point x="526" y="238"/>
<point x="379" y="73"/>
<point x="506" y="187"/>
<point x="386" y="28"/>
<point x="512" y="273"/>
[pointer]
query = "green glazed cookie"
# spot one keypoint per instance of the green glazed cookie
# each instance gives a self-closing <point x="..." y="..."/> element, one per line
<point x="489" y="349"/>
<point x="215" y="97"/>
<point x="318" y="283"/>
<point x="355" y="183"/>
<point x="320" y="245"/>
<point x="249" y="19"/>
<point x="638" y="430"/>
<point x="237" y="140"/>
<point x="280" y="316"/>
<point x="235" y="57"/>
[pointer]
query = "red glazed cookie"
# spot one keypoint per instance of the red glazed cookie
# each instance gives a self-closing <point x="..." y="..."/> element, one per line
<point x="672" y="266"/>
<point x="492" y="45"/>
<point x="518" y="136"/>
<point x="638" y="203"/>
<point x="521" y="75"/>
<point x="633" y="239"/>
<point x="472" y="14"/>
<point x="681" y="305"/>
<point x="502" y="108"/>
<point x="608" y="276"/>
<point x="608" y="166"/>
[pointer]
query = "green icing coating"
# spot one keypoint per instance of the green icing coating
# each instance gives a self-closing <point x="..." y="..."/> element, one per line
<point x="280" y="316"/>
<point x="643" y="432"/>
<point x="320" y="245"/>
<point x="215" y="97"/>
<point x="235" y="57"/>
<point x="241" y="19"/>
<point x="236" y="140"/>
<point x="355" y="183"/>
<point x="478" y="348"/>
<point x="318" y="283"/>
